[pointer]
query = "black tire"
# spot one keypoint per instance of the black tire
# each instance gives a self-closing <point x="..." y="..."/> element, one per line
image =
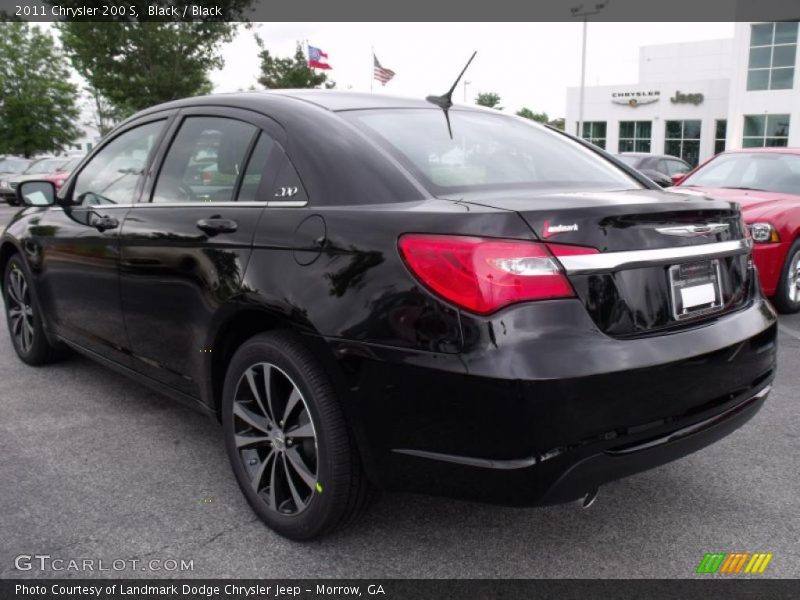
<point x="24" y="316"/>
<point x="330" y="487"/>
<point x="787" y="296"/>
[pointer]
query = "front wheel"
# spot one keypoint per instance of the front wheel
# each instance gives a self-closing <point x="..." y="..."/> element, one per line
<point x="787" y="297"/>
<point x="25" y="324"/>
<point x="289" y="445"/>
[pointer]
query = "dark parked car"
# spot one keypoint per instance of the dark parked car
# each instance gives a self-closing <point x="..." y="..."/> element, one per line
<point x="10" y="167"/>
<point x="40" y="167"/>
<point x="369" y="301"/>
<point x="665" y="170"/>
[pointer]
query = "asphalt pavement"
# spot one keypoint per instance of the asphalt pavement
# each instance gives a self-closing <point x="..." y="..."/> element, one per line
<point x="95" y="466"/>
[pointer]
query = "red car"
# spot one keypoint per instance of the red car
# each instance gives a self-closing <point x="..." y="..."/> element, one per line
<point x="766" y="183"/>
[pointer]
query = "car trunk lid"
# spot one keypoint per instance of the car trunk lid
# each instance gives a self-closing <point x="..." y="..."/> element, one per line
<point x="653" y="247"/>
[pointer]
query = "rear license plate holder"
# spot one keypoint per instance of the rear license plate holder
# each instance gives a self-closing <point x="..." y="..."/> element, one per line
<point x="695" y="289"/>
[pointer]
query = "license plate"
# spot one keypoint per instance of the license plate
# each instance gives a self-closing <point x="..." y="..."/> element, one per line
<point x="695" y="289"/>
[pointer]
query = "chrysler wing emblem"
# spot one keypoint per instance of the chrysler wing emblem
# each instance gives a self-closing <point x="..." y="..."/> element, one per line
<point x="693" y="230"/>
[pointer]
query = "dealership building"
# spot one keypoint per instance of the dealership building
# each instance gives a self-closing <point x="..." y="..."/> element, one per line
<point x="696" y="99"/>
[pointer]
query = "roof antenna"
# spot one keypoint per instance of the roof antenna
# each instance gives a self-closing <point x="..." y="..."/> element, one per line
<point x="445" y="101"/>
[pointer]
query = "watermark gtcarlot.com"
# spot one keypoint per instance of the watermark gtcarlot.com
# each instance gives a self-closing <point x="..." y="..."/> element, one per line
<point x="46" y="562"/>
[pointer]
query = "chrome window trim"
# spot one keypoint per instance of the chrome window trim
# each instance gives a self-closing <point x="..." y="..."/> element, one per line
<point x="254" y="204"/>
<point x="610" y="261"/>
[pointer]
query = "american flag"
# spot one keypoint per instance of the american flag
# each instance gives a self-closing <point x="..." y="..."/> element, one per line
<point x="381" y="74"/>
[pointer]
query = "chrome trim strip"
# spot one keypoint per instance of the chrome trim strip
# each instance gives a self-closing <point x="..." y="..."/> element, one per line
<point x="610" y="261"/>
<point x="268" y="204"/>
<point x="693" y="230"/>
<point x="486" y="463"/>
<point x="286" y="203"/>
<point x="199" y="204"/>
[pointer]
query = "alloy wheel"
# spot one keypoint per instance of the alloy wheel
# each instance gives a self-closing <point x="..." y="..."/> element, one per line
<point x="275" y="439"/>
<point x="793" y="278"/>
<point x="20" y="310"/>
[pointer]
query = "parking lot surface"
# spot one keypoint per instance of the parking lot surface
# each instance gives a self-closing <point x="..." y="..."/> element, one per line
<point x="93" y="465"/>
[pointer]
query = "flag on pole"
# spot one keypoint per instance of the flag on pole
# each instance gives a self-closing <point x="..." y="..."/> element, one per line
<point x="381" y="74"/>
<point x="317" y="59"/>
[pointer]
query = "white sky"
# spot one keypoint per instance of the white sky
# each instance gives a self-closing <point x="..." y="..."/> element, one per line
<point x="528" y="64"/>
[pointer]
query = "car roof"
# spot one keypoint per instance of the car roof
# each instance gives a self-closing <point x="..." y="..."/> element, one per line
<point x="648" y="155"/>
<point x="330" y="100"/>
<point x="773" y="150"/>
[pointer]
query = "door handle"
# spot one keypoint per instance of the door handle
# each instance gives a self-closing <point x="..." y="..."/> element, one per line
<point x="103" y="222"/>
<point x="216" y="225"/>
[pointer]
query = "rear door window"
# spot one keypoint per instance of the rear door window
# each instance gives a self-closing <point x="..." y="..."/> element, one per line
<point x="205" y="160"/>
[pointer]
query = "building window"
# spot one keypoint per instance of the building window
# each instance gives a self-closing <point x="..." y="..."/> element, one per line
<point x="634" y="136"/>
<point x="773" y="48"/>
<point x="682" y="139"/>
<point x="594" y="132"/>
<point x="765" y="130"/>
<point x="719" y="136"/>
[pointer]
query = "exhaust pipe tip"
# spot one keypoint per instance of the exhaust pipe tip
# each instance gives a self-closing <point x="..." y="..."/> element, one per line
<point x="589" y="498"/>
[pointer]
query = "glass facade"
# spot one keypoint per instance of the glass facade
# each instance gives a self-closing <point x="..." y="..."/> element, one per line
<point x="634" y="136"/>
<point x="594" y="132"/>
<point x="765" y="130"/>
<point x="682" y="139"/>
<point x="773" y="51"/>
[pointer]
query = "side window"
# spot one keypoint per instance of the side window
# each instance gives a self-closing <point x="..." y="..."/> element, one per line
<point x="114" y="174"/>
<point x="270" y="172"/>
<point x="204" y="161"/>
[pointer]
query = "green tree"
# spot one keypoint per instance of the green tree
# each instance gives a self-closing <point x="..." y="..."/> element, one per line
<point x="533" y="116"/>
<point x="557" y="123"/>
<point x="38" y="112"/>
<point x="134" y="65"/>
<point x="489" y="99"/>
<point x="289" y="73"/>
<point x="103" y="115"/>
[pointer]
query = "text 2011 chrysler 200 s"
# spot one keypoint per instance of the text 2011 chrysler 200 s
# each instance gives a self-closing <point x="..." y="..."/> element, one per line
<point x="373" y="292"/>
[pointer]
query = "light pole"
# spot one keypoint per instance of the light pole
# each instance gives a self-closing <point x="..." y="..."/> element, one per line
<point x="585" y="13"/>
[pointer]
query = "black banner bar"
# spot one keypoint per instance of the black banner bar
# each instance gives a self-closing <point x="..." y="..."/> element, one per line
<point x="399" y="589"/>
<point x="407" y="10"/>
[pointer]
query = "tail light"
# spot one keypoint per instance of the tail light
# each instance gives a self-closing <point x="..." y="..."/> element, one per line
<point x="207" y="177"/>
<point x="482" y="275"/>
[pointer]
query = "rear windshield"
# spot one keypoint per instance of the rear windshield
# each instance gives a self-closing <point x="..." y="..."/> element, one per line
<point x="13" y="165"/>
<point x="47" y="165"/>
<point x="778" y="173"/>
<point x="486" y="151"/>
<point x="631" y="161"/>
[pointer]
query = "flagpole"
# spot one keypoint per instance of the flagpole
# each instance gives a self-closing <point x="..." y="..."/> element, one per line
<point x="372" y="70"/>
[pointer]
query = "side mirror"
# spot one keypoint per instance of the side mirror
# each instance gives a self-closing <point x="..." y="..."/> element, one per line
<point x="677" y="178"/>
<point x="36" y="193"/>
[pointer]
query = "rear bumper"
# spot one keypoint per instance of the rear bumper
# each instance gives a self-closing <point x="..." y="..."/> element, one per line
<point x="430" y="423"/>
<point x="600" y="467"/>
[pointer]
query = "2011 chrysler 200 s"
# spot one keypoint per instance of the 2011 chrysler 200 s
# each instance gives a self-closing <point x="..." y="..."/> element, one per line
<point x="372" y="292"/>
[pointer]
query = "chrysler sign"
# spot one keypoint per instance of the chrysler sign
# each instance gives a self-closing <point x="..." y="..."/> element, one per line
<point x="634" y="99"/>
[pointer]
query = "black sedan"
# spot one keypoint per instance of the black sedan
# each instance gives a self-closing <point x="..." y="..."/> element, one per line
<point x="383" y="293"/>
<point x="664" y="169"/>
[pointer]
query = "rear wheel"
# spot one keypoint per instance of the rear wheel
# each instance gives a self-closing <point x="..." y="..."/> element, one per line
<point x="23" y="315"/>
<point x="287" y="439"/>
<point x="787" y="297"/>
